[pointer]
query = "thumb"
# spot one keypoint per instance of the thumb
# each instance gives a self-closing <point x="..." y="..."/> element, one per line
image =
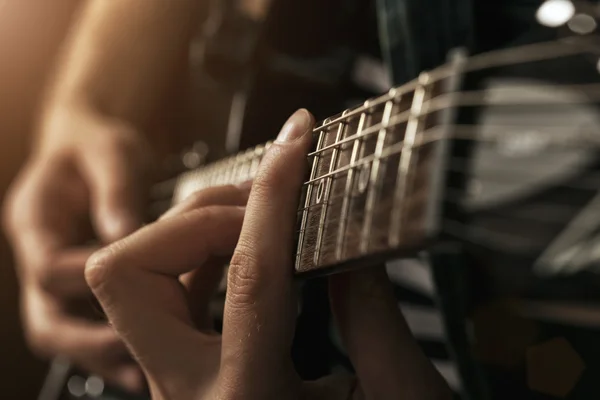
<point x="117" y="175"/>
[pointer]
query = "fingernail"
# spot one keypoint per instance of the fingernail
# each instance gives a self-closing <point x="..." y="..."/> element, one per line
<point x="295" y="127"/>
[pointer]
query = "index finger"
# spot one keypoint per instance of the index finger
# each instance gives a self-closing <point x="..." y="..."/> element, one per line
<point x="44" y="223"/>
<point x="260" y="310"/>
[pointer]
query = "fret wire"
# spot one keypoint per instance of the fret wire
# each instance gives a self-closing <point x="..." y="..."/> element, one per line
<point x="400" y="190"/>
<point x="398" y="119"/>
<point x="235" y="170"/>
<point x="334" y="223"/>
<point x="206" y="177"/>
<point x="352" y="241"/>
<point x="246" y="169"/>
<point x="332" y="200"/>
<point x="560" y="213"/>
<point x="339" y="246"/>
<point x="238" y="170"/>
<point x="398" y="91"/>
<point x="232" y="170"/>
<point x="197" y="174"/>
<point x="217" y="174"/>
<point x="242" y="168"/>
<point x="220" y="167"/>
<point x="256" y="158"/>
<point x="334" y="155"/>
<point x="350" y="195"/>
<point x="225" y="170"/>
<point x="375" y="167"/>
<point x="387" y="152"/>
<point x="251" y="155"/>
<point x="307" y="203"/>
<point x="391" y="150"/>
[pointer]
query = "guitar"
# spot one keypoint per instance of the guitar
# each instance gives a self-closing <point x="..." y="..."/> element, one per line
<point x="503" y="169"/>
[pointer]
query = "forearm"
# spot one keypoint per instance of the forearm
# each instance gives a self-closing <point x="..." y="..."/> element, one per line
<point x="124" y="56"/>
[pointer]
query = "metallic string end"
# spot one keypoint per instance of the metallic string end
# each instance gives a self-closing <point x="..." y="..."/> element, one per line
<point x="424" y="79"/>
<point x="346" y="115"/>
<point x="394" y="95"/>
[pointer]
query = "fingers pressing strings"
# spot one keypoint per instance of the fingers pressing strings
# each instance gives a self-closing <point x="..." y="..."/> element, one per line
<point x="229" y="195"/>
<point x="137" y="282"/>
<point x="259" y="316"/>
<point x="211" y="275"/>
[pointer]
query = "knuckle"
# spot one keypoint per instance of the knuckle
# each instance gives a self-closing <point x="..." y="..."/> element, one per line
<point x="243" y="281"/>
<point x="102" y="269"/>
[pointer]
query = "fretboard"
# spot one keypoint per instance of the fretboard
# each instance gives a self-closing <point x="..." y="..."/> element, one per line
<point x="374" y="179"/>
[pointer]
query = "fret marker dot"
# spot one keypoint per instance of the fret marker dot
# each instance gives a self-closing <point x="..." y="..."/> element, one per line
<point x="363" y="178"/>
<point x="320" y="190"/>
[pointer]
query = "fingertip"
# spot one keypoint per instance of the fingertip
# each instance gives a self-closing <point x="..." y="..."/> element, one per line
<point x="296" y="127"/>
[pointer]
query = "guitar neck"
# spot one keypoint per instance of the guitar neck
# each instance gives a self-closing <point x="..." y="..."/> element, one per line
<point x="375" y="177"/>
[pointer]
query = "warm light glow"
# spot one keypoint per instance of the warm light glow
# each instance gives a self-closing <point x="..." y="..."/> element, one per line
<point x="582" y="24"/>
<point x="554" y="13"/>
